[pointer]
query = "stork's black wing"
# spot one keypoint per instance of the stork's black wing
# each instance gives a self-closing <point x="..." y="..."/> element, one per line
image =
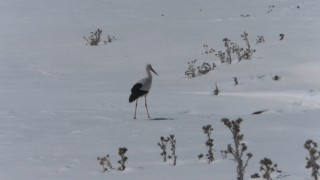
<point x="136" y="92"/>
<point x="136" y="87"/>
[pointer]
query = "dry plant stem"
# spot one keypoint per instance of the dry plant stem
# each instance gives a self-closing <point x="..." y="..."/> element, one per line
<point x="239" y="148"/>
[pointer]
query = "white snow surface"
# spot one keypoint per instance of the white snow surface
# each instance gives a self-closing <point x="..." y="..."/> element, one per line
<point x="63" y="104"/>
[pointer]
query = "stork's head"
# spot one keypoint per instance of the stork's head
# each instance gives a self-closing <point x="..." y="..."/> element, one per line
<point x="149" y="67"/>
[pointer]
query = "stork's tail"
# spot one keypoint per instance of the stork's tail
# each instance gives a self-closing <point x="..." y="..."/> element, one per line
<point x="133" y="97"/>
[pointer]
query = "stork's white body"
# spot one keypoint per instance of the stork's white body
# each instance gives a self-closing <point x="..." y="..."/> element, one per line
<point x="146" y="82"/>
<point x="141" y="89"/>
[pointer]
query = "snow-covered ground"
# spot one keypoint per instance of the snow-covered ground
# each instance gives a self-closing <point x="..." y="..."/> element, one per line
<point x="63" y="104"/>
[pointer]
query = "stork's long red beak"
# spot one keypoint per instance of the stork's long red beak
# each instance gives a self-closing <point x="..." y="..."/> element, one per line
<point x="154" y="71"/>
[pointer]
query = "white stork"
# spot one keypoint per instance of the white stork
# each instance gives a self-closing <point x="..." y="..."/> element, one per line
<point x="141" y="88"/>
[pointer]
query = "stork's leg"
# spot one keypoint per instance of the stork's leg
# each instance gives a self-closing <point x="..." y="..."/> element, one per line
<point x="135" y="111"/>
<point x="145" y="103"/>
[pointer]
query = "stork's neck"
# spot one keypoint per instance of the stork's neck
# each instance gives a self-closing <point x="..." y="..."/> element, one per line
<point x="149" y="74"/>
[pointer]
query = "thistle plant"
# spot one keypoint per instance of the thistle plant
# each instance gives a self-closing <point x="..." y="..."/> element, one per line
<point x="260" y="39"/>
<point x="110" y="39"/>
<point x="237" y="50"/>
<point x="228" y="50"/>
<point x="173" y="155"/>
<point x="231" y="47"/>
<point x="207" y="50"/>
<point x="235" y="79"/>
<point x="105" y="163"/>
<point x="225" y="56"/>
<point x="163" y="145"/>
<point x="194" y="71"/>
<point x="191" y="71"/>
<point x="205" y="68"/>
<point x="95" y="38"/>
<point x="239" y="147"/>
<point x="222" y="56"/>
<point x="267" y="168"/>
<point x="313" y="157"/>
<point x="207" y="130"/>
<point x="123" y="160"/>
<point x="248" y="51"/>
<point x="216" y="90"/>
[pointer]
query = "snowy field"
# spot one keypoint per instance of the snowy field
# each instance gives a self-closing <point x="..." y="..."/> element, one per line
<point x="63" y="104"/>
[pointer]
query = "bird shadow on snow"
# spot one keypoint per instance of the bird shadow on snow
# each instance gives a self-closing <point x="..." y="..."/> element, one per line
<point x="161" y="119"/>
